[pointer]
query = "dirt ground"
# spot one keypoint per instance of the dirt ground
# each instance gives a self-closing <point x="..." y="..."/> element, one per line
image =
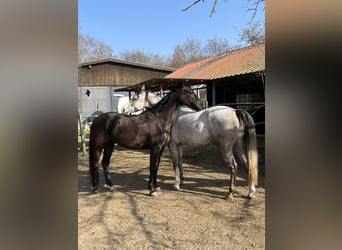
<point x="197" y="217"/>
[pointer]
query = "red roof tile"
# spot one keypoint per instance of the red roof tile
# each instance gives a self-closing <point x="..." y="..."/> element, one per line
<point x="180" y="73"/>
<point x="246" y="60"/>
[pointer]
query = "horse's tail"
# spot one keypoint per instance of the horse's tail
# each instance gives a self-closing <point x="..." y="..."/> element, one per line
<point x="93" y="154"/>
<point x="249" y="137"/>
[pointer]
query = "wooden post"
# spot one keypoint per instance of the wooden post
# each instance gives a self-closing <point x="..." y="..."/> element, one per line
<point x="82" y="133"/>
<point x="161" y="91"/>
<point x="213" y="93"/>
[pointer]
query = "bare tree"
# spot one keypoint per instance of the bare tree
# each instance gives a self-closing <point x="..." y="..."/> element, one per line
<point x="216" y="47"/>
<point x="190" y="51"/>
<point x="90" y="49"/>
<point x="158" y="60"/>
<point x="139" y="56"/>
<point x="252" y="34"/>
<point x="134" y="56"/>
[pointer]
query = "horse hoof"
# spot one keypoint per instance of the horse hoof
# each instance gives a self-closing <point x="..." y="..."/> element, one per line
<point x="176" y="186"/>
<point x="95" y="189"/>
<point x="230" y="196"/>
<point x="157" y="189"/>
<point x="251" y="196"/>
<point x="111" y="188"/>
<point x="153" y="194"/>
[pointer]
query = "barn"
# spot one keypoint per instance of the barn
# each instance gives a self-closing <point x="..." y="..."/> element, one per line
<point x="97" y="81"/>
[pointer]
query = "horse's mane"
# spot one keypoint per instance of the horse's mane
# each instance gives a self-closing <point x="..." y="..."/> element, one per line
<point x="161" y="105"/>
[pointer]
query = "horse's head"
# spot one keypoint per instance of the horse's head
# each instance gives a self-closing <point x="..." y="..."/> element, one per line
<point x="138" y="100"/>
<point x="144" y="99"/>
<point x="189" y="98"/>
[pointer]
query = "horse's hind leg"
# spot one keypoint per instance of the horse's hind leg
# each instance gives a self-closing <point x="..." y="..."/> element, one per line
<point x="233" y="169"/>
<point x="180" y="162"/>
<point x="229" y="159"/>
<point x="241" y="157"/>
<point x="94" y="157"/>
<point x="107" y="153"/>
<point x="174" y="149"/>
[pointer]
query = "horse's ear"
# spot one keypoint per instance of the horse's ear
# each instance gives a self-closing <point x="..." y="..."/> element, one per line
<point x="179" y="86"/>
<point x="185" y="85"/>
<point x="174" y="87"/>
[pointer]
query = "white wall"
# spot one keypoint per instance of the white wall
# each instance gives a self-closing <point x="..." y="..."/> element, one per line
<point x="101" y="99"/>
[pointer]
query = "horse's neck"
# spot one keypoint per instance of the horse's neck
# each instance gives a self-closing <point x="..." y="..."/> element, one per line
<point x="169" y="114"/>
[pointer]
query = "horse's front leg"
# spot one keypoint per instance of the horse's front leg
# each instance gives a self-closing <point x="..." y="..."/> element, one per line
<point x="154" y="164"/>
<point x="180" y="163"/>
<point x="175" y="161"/>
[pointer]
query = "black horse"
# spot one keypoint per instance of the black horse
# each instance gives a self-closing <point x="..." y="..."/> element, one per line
<point x="148" y="130"/>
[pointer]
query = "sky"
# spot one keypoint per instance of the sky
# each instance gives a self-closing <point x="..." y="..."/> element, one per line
<point x="157" y="26"/>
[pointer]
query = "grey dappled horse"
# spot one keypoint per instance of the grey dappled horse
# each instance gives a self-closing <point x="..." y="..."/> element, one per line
<point x="232" y="130"/>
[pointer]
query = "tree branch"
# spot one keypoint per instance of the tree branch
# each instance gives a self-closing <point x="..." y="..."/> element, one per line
<point x="214" y="8"/>
<point x="255" y="8"/>
<point x="194" y="3"/>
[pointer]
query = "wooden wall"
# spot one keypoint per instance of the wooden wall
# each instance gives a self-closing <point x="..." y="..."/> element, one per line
<point x="117" y="74"/>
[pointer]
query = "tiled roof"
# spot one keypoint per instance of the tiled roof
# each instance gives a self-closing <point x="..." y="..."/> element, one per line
<point x="183" y="71"/>
<point x="246" y="60"/>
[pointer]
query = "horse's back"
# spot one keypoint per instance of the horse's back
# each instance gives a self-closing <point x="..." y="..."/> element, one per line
<point x="190" y="128"/>
<point x="223" y="123"/>
<point x="99" y="127"/>
<point x="101" y="121"/>
<point x="223" y="117"/>
<point x="214" y="124"/>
